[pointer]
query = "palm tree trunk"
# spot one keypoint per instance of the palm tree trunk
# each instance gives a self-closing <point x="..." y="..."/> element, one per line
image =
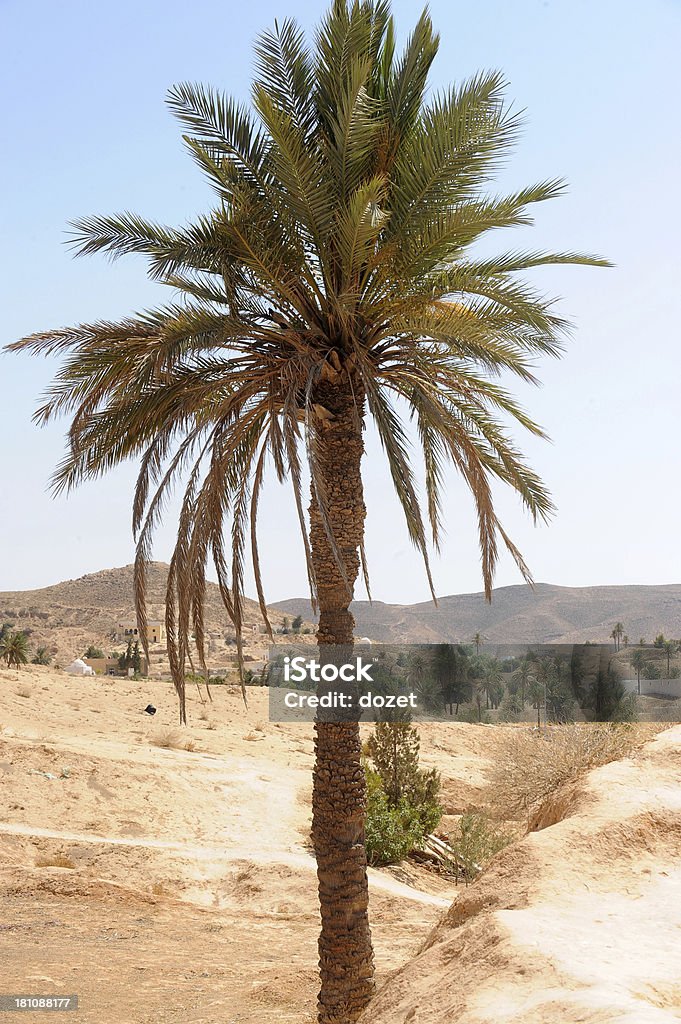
<point x="346" y="961"/>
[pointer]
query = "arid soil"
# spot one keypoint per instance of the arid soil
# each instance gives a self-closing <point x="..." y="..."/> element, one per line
<point x="192" y="891"/>
<point x="580" y="921"/>
<point x="175" y="882"/>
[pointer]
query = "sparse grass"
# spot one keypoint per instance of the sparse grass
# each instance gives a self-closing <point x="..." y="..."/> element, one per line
<point x="24" y="690"/>
<point x="56" y="860"/>
<point x="532" y="764"/>
<point x="475" y="841"/>
<point x="172" y="739"/>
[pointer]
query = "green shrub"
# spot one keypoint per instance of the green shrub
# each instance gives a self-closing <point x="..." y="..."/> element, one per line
<point x="402" y="800"/>
<point x="42" y="657"/>
<point x="392" y="831"/>
<point x="394" y="750"/>
<point x="476" y="840"/>
<point x="94" y="652"/>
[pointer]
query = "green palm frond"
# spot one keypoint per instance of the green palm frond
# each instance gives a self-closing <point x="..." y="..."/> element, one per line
<point x="347" y="204"/>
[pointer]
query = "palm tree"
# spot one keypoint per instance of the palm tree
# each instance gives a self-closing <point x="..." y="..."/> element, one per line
<point x="334" y="280"/>
<point x="670" y="647"/>
<point x="638" y="661"/>
<point x="617" y="634"/>
<point x="14" y="649"/>
<point x="492" y="684"/>
<point x="42" y="656"/>
<point x="478" y="640"/>
<point x="422" y="682"/>
<point x="536" y="693"/>
<point x="522" y="676"/>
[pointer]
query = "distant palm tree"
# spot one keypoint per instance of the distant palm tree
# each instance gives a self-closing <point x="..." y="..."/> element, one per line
<point x="536" y="694"/>
<point x="521" y="677"/>
<point x="638" y="661"/>
<point x="617" y="634"/>
<point x="42" y="656"/>
<point x="14" y="649"/>
<point x="670" y="647"/>
<point x="493" y="682"/>
<point x="336" y="279"/>
<point x="478" y="640"/>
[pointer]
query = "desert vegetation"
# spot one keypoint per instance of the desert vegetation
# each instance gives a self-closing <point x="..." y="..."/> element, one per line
<point x="14" y="648"/>
<point x="402" y="798"/>
<point x="531" y="767"/>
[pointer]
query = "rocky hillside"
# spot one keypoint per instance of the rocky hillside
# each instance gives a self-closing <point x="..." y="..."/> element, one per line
<point x="69" y="616"/>
<point x="519" y="614"/>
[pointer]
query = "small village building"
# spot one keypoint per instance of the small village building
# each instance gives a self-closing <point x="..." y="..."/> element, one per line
<point x="110" y="667"/>
<point x="156" y="631"/>
<point x="79" y="668"/>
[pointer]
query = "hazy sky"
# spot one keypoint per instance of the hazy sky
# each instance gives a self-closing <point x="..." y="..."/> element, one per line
<point x="85" y="130"/>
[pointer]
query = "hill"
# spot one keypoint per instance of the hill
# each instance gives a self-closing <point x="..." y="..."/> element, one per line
<point x="69" y="616"/>
<point x="545" y="614"/>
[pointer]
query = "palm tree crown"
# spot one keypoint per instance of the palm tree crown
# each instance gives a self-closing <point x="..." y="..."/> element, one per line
<point x="339" y="245"/>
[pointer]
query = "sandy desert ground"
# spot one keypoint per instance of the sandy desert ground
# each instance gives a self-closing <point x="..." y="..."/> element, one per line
<point x="187" y="887"/>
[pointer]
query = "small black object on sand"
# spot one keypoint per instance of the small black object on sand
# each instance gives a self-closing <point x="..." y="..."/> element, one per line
<point x="150" y="709"/>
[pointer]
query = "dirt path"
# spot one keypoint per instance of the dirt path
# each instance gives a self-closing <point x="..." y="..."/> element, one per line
<point x="220" y="855"/>
<point x="192" y="895"/>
